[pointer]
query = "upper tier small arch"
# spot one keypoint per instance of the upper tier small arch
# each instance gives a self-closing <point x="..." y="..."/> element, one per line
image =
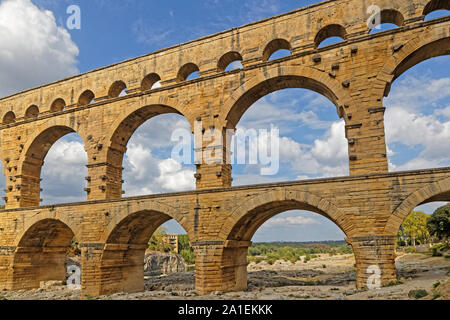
<point x="116" y="89"/>
<point x="32" y="112"/>
<point x="435" y="5"/>
<point x="274" y="46"/>
<point x="86" y="98"/>
<point x="9" y="118"/>
<point x="149" y="81"/>
<point x="388" y="17"/>
<point x="332" y="30"/>
<point x="227" y="59"/>
<point x="58" y="105"/>
<point x="186" y="70"/>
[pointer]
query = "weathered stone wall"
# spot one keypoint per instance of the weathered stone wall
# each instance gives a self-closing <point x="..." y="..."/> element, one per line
<point x="113" y="232"/>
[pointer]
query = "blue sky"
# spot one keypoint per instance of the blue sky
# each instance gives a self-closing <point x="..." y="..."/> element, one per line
<point x="313" y="143"/>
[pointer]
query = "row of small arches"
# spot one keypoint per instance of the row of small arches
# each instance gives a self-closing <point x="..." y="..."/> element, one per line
<point x="276" y="48"/>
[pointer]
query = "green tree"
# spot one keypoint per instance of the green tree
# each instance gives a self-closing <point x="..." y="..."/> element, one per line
<point x="185" y="250"/>
<point x="158" y="241"/>
<point x="414" y="228"/>
<point x="439" y="223"/>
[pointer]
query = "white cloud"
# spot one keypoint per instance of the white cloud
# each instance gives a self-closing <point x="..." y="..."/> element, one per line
<point x="443" y="112"/>
<point x="34" y="50"/>
<point x="173" y="177"/>
<point x="63" y="173"/>
<point x="290" y="221"/>
<point x="416" y="118"/>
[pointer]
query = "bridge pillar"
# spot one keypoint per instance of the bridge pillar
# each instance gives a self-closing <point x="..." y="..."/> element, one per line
<point x="367" y="143"/>
<point x="23" y="268"/>
<point x="112" y="268"/>
<point x="104" y="181"/>
<point x="375" y="260"/>
<point x="221" y="266"/>
<point x="91" y="276"/>
<point x="6" y="261"/>
<point x="212" y="158"/>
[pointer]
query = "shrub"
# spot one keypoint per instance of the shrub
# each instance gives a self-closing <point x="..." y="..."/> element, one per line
<point x="307" y="258"/>
<point x="411" y="250"/>
<point x="417" y="294"/>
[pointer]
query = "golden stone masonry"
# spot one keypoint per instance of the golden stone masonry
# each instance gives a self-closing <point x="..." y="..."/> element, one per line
<point x="369" y="205"/>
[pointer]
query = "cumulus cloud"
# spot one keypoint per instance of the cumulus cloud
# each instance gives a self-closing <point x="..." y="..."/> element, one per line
<point x="417" y="117"/>
<point x="146" y="174"/>
<point x="290" y="220"/>
<point x="326" y="157"/>
<point x="63" y="173"/>
<point x="34" y="50"/>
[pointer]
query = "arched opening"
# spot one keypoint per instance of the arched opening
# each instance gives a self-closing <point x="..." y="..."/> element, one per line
<point x="387" y="19"/>
<point x="9" y="118"/>
<point x="87" y="97"/>
<point x="154" y="145"/>
<point x="60" y="175"/>
<point x="417" y="101"/>
<point x="117" y="89"/>
<point x="58" y="105"/>
<point x="422" y="227"/>
<point x="290" y="245"/>
<point x="41" y="254"/>
<point x="32" y="112"/>
<point x="276" y="49"/>
<point x="151" y="81"/>
<point x="311" y="137"/>
<point x="141" y="243"/>
<point x="437" y="14"/>
<point x="436" y="9"/>
<point x="188" y="72"/>
<point x="230" y="61"/>
<point x="330" y="34"/>
<point x="64" y="171"/>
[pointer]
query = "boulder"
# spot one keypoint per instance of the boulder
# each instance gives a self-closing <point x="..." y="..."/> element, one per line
<point x="156" y="264"/>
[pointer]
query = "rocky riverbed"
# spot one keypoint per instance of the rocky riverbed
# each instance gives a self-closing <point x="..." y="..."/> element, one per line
<point x="331" y="278"/>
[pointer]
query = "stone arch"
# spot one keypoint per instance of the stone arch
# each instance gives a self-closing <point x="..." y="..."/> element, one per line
<point x="249" y="215"/>
<point x="86" y="98"/>
<point x="58" y="105"/>
<point x="435" y="5"/>
<point x="227" y="59"/>
<point x="392" y="16"/>
<point x="437" y="191"/>
<point x="331" y="30"/>
<point x="277" y="78"/>
<point x="9" y="118"/>
<point x="32" y="112"/>
<point x="55" y="218"/>
<point x="419" y="49"/>
<point x="116" y="88"/>
<point x="128" y="122"/>
<point x="186" y="70"/>
<point x="126" y="240"/>
<point x="149" y="81"/>
<point x="244" y="220"/>
<point x="40" y="253"/>
<point x="275" y="45"/>
<point x="32" y="160"/>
